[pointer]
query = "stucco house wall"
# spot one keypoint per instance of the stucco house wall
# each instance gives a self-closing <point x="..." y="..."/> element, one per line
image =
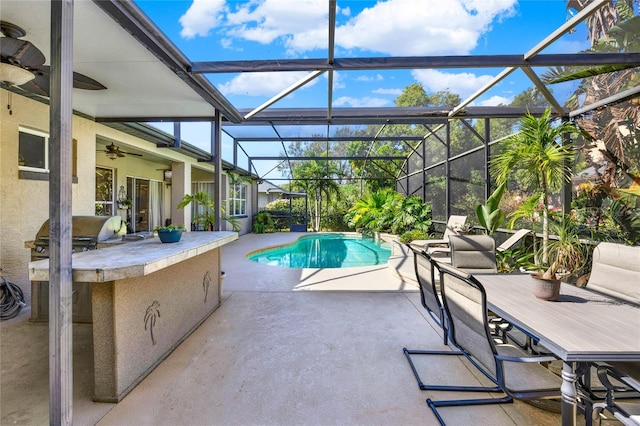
<point x="24" y="203"/>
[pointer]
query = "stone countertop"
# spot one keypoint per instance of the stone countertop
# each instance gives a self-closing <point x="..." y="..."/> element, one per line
<point x="136" y="258"/>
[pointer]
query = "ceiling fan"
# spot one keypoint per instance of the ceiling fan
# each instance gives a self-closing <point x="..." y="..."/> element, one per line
<point x="22" y="64"/>
<point x="113" y="151"/>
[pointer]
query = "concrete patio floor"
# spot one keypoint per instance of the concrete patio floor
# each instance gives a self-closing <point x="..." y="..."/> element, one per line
<point x="287" y="347"/>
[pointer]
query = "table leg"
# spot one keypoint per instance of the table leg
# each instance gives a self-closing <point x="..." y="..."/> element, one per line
<point x="569" y="394"/>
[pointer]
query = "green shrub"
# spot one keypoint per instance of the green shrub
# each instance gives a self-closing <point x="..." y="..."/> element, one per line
<point x="280" y="204"/>
<point x="415" y="234"/>
<point x="263" y="222"/>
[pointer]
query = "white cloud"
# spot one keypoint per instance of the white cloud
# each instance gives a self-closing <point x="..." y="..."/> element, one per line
<point x="418" y="27"/>
<point x="394" y="27"/>
<point x="496" y="100"/>
<point x="463" y="84"/>
<point x="301" y="24"/>
<point x="201" y="17"/>
<point x="338" y="80"/>
<point x="360" y="102"/>
<point x="262" y="84"/>
<point x="368" y="78"/>
<point x="395" y="92"/>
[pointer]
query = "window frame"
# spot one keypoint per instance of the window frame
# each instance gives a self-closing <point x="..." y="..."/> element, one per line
<point x="45" y="136"/>
<point x="235" y="201"/>
<point x="111" y="203"/>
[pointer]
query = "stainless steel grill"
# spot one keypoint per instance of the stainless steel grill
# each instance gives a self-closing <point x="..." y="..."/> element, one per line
<point x="88" y="233"/>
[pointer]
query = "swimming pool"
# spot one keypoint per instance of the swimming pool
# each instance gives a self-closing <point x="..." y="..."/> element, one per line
<point x="326" y="251"/>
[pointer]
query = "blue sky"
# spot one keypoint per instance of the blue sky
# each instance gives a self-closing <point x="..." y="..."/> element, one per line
<point x="210" y="30"/>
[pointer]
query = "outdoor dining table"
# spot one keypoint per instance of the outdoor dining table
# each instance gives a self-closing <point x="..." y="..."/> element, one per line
<point x="581" y="326"/>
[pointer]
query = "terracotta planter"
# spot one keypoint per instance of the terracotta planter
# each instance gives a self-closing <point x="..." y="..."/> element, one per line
<point x="546" y="289"/>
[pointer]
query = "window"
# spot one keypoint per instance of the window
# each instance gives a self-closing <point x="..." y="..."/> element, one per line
<point x="238" y="200"/>
<point x="104" y="192"/>
<point x="33" y="150"/>
<point x="33" y="155"/>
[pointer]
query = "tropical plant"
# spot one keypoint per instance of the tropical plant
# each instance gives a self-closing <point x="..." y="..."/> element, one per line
<point x="567" y="254"/>
<point x="489" y="214"/>
<point x="368" y="211"/>
<point x="612" y="153"/>
<point x="415" y="234"/>
<point x="170" y="228"/>
<point x="205" y="218"/>
<point x="263" y="222"/>
<point x="529" y="212"/>
<point x="513" y="259"/>
<point x="542" y="161"/>
<point x="411" y="213"/>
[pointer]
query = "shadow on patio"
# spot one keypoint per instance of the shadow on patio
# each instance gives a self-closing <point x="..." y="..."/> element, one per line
<point x="269" y="355"/>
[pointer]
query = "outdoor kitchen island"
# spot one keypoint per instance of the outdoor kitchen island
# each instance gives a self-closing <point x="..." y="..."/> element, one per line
<point x="147" y="297"/>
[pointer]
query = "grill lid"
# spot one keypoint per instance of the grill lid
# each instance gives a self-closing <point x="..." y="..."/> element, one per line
<point x="94" y="228"/>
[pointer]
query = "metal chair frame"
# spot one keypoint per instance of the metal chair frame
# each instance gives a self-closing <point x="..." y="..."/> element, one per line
<point x="428" y="289"/>
<point x="626" y="388"/>
<point x="497" y="376"/>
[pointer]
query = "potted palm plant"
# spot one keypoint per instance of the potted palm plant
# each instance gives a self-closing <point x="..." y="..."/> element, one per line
<point x="540" y="160"/>
<point x="567" y="256"/>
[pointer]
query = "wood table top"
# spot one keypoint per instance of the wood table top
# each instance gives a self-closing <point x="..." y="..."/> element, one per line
<point x="581" y="325"/>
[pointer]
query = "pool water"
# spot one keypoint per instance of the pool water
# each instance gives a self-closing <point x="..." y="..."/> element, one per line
<point x="326" y="251"/>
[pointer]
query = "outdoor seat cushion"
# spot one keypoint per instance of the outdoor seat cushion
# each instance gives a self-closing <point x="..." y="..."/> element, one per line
<point x="474" y="254"/>
<point x="616" y="271"/>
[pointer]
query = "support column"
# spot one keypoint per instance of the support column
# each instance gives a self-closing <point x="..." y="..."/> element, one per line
<point x="216" y="150"/>
<point x="487" y="155"/>
<point x="60" y="182"/>
<point x="180" y="185"/>
<point x="448" y="171"/>
<point x="567" y="190"/>
<point x="424" y="169"/>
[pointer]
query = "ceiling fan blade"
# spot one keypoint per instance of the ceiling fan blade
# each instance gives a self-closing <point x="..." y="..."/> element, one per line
<point x="39" y="85"/>
<point x="131" y="153"/>
<point x="80" y="81"/>
<point x="20" y="52"/>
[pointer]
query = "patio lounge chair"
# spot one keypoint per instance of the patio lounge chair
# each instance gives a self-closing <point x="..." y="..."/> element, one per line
<point x="474" y="254"/>
<point x="434" y="246"/>
<point x="425" y="276"/>
<point x="513" y="240"/>
<point x="513" y="371"/>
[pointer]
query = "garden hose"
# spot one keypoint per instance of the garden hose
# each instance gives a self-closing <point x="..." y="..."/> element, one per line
<point x="11" y="299"/>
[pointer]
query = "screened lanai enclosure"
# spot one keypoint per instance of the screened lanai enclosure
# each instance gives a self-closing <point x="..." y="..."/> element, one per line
<point x="440" y="145"/>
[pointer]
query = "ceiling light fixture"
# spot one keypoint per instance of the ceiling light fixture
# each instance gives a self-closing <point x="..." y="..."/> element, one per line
<point x="14" y="75"/>
<point x="112" y="155"/>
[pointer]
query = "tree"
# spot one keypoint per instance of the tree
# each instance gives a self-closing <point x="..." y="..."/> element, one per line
<point x="317" y="178"/>
<point x="544" y="163"/>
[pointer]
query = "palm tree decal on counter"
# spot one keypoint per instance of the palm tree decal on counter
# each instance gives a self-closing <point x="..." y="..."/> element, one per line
<point x="150" y="318"/>
<point x="206" y="282"/>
